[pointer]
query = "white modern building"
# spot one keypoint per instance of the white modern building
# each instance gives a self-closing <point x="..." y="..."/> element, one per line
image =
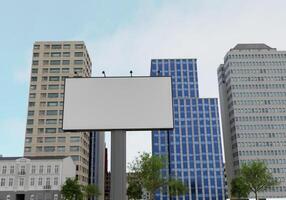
<point x="34" y="178"/>
<point x="252" y="86"/>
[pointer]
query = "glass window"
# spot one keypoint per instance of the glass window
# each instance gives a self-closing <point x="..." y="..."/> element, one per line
<point x="66" y="54"/>
<point x="50" y="139"/>
<point x="55" y="70"/>
<point x="46" y="62"/>
<point x="36" y="46"/>
<point x="4" y="169"/>
<point x="56" y="46"/>
<point x="53" y="103"/>
<point x="34" y="78"/>
<point x="53" y="87"/>
<point x="30" y="121"/>
<point x="66" y="62"/>
<point x="10" y="184"/>
<point x="61" y="148"/>
<point x="40" y="140"/>
<point x="47" y="46"/>
<point x="51" y="121"/>
<point x="78" y="46"/>
<point x="54" y="78"/>
<point x="56" y="169"/>
<point x="53" y="95"/>
<point x="41" y="169"/>
<point x="40" y="181"/>
<point x="74" y="139"/>
<point x="2" y="182"/>
<point x="49" y="169"/>
<point x="21" y="182"/>
<point x="78" y="54"/>
<point x="29" y="130"/>
<point x="61" y="139"/>
<point x="78" y="62"/>
<point x="56" y="54"/>
<point x="74" y="148"/>
<point x="51" y="130"/>
<point x="39" y="149"/>
<point x="52" y="112"/>
<point x="31" y="113"/>
<point x="65" y="70"/>
<point x="34" y="71"/>
<point x="67" y="46"/>
<point x="32" y="181"/>
<point x="55" y="62"/>
<point x="12" y="169"/>
<point x="49" y="149"/>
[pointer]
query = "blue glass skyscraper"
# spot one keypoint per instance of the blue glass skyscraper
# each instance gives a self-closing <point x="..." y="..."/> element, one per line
<point x="193" y="147"/>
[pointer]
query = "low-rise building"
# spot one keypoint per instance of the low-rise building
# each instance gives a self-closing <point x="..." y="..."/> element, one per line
<point x="34" y="178"/>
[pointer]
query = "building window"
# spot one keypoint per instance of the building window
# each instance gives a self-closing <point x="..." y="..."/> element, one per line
<point x="4" y="169"/>
<point x="53" y="95"/>
<point x="66" y="54"/>
<point x="61" y="148"/>
<point x="41" y="121"/>
<point x="32" y="181"/>
<point x="32" y="197"/>
<point x="32" y="95"/>
<point x="54" y="78"/>
<point x="56" y="46"/>
<point x="57" y="169"/>
<point x="74" y="148"/>
<point x="29" y="130"/>
<point x="49" y="169"/>
<point x="43" y="87"/>
<point x="52" y="112"/>
<point x="41" y="169"/>
<point x="39" y="149"/>
<point x="34" y="78"/>
<point x="31" y="113"/>
<point x="61" y="139"/>
<point x="35" y="62"/>
<point x="40" y="130"/>
<point x="74" y="139"/>
<point x="34" y="71"/>
<point x="51" y="130"/>
<point x="2" y="182"/>
<point x="33" y="87"/>
<point x="66" y="62"/>
<point x="12" y="168"/>
<point x="54" y="103"/>
<point x="21" y="182"/>
<point x="32" y="104"/>
<point x="28" y="149"/>
<point x="50" y="139"/>
<point x="56" y="54"/>
<point x="55" y="70"/>
<point x="28" y="140"/>
<point x="78" y="46"/>
<point x="10" y="183"/>
<point x="56" y="181"/>
<point x="67" y="46"/>
<point x="78" y="54"/>
<point x="33" y="170"/>
<point x="49" y="149"/>
<point x="48" y="182"/>
<point x="78" y="62"/>
<point x="46" y="62"/>
<point x="65" y="70"/>
<point x="46" y="54"/>
<point x="55" y="62"/>
<point x="40" y="181"/>
<point x="36" y="46"/>
<point x="30" y="121"/>
<point x="55" y="196"/>
<point x="47" y="46"/>
<point x="40" y="139"/>
<point x="51" y="121"/>
<point x="22" y="170"/>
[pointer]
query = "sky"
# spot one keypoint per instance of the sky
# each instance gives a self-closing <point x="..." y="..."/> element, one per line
<point x="124" y="35"/>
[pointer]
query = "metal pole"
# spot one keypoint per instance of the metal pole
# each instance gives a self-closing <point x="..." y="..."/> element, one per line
<point x="118" y="165"/>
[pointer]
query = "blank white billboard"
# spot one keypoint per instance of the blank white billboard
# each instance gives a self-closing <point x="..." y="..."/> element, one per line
<point x="118" y="103"/>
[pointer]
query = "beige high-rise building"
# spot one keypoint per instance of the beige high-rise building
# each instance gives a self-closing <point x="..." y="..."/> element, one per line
<point x="52" y="63"/>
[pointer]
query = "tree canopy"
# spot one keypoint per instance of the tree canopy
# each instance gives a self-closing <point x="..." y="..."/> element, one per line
<point x="253" y="177"/>
<point x="147" y="175"/>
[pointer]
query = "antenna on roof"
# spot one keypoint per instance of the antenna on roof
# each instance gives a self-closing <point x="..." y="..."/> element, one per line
<point x="131" y="72"/>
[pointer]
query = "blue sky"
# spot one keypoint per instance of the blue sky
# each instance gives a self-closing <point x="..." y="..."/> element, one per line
<point x="124" y="35"/>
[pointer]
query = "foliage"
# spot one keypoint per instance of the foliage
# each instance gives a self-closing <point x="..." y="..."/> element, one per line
<point x="253" y="177"/>
<point x="91" y="191"/>
<point x="72" y="190"/>
<point x="239" y="188"/>
<point x="134" y="190"/>
<point x="146" y="171"/>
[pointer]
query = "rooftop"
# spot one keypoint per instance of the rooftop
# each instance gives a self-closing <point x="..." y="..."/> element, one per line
<point x="252" y="46"/>
<point x="34" y="158"/>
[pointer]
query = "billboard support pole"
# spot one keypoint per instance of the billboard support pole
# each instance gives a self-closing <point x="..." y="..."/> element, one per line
<point x="118" y="165"/>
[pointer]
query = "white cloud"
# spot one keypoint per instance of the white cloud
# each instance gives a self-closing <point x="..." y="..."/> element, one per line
<point x="184" y="29"/>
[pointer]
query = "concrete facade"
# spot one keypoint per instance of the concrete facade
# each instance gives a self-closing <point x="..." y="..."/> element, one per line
<point x="32" y="178"/>
<point x="52" y="62"/>
<point x="252" y="85"/>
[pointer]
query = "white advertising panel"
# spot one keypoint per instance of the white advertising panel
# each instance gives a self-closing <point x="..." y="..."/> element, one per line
<point x="118" y="103"/>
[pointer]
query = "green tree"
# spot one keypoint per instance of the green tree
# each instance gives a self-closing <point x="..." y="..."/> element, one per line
<point x="91" y="190"/>
<point x="134" y="190"/>
<point x="72" y="190"/>
<point x="253" y="177"/>
<point x="239" y="189"/>
<point x="146" y="171"/>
